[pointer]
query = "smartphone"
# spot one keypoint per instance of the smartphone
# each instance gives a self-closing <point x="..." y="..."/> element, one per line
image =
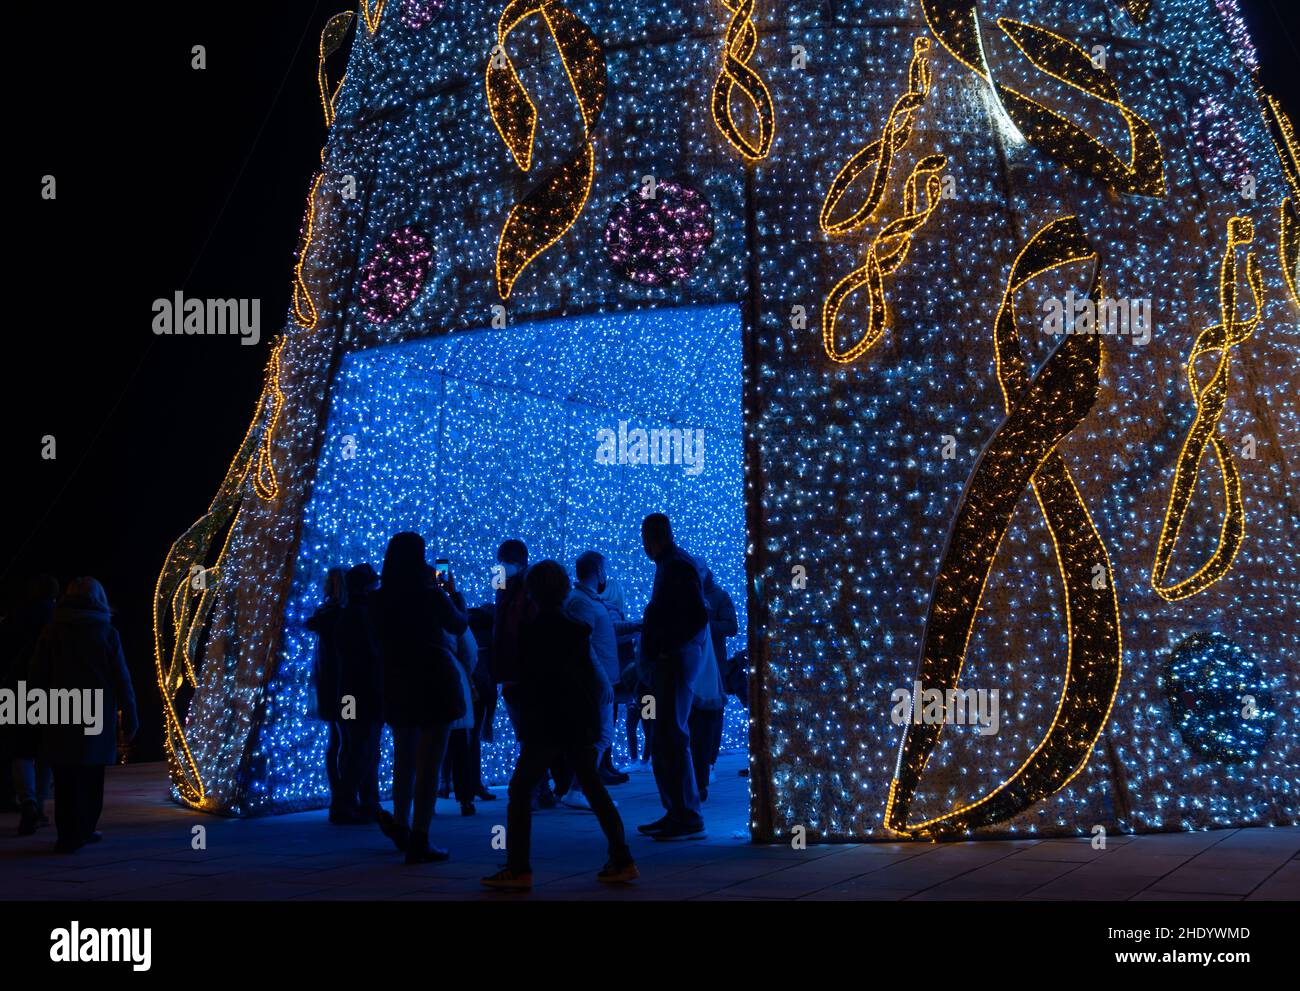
<point x="442" y="571"/>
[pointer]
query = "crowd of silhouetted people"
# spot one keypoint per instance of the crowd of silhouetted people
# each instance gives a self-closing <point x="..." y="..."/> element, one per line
<point x="401" y="648"/>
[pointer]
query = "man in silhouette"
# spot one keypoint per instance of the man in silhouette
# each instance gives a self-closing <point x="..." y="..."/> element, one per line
<point x="672" y="641"/>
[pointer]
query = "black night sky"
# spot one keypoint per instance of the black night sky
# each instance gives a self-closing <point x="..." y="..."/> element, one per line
<point x="171" y="179"/>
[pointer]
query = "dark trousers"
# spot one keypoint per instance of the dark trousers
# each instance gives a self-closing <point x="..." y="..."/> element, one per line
<point x="332" y="750"/>
<point x="559" y="769"/>
<point x="78" y="801"/>
<point x="417" y="758"/>
<point x="706" y="741"/>
<point x="461" y="757"/>
<point x="670" y="748"/>
<point x="530" y="768"/>
<point x="359" y="764"/>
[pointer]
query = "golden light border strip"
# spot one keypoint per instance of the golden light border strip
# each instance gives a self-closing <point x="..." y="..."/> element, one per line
<point x="1288" y="247"/>
<point x="1210" y="401"/>
<point x="372" y="15"/>
<point x="735" y="73"/>
<point x="265" y="483"/>
<point x="1041" y="410"/>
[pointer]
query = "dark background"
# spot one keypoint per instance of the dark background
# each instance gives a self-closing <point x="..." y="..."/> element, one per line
<point x="174" y="179"/>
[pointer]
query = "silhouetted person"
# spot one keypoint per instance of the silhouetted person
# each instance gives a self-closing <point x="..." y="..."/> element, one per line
<point x="485" y="697"/>
<point x="585" y="605"/>
<point x="513" y="609"/>
<point x="557" y="695"/>
<point x="360" y="686"/>
<point x="324" y="623"/>
<point x="465" y="650"/>
<point x="80" y="651"/>
<point x="707" y="711"/>
<point x="19" y="634"/>
<point x="421" y="691"/>
<point x="672" y="640"/>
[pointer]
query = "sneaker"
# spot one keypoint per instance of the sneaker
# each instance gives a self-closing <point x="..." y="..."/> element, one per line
<point x="650" y="828"/>
<point x="575" y="799"/>
<point x="95" y="837"/>
<point x="483" y="795"/>
<point x="508" y="880"/>
<point x="675" y="832"/>
<point x="613" y="873"/>
<point x="546" y="799"/>
<point x="467" y="809"/>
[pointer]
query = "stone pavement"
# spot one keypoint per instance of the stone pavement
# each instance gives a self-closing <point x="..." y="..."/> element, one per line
<point x="146" y="854"/>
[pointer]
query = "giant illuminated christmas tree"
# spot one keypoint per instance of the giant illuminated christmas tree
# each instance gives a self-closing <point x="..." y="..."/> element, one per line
<point x="987" y="314"/>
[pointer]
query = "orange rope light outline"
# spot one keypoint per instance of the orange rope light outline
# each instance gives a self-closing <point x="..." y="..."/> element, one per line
<point x="372" y="18"/>
<point x="1210" y="401"/>
<point x="1288" y="247"/>
<point x="304" y="310"/>
<point x="887" y="253"/>
<point x="331" y="39"/>
<point x="956" y="24"/>
<point x="878" y="156"/>
<point x="735" y="73"/>
<point x="547" y="211"/>
<point x="1041" y="411"/>
<point x="265" y="483"/>
<point x="174" y="600"/>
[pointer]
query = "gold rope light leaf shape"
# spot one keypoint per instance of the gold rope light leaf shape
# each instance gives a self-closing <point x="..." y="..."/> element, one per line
<point x="186" y="586"/>
<point x="372" y="12"/>
<point x="543" y="216"/>
<point x="888" y="251"/>
<point x="1210" y="401"/>
<point x="955" y="24"/>
<point x="1041" y="409"/>
<point x="877" y="157"/>
<point x="304" y="309"/>
<point x="736" y="74"/>
<point x="331" y="39"/>
<point x="265" y="483"/>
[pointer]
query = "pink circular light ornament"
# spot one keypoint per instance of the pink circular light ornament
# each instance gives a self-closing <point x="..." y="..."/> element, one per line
<point x="419" y="14"/>
<point x="658" y="241"/>
<point x="395" y="273"/>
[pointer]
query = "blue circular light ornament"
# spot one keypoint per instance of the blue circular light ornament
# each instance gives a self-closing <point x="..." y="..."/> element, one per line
<point x="1219" y="699"/>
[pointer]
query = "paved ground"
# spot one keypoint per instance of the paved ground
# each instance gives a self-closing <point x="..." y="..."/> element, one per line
<point x="146" y="854"/>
